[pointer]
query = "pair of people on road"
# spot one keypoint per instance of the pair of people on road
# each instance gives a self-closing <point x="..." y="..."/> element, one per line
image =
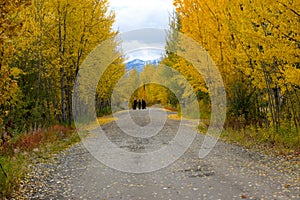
<point x="138" y="104"/>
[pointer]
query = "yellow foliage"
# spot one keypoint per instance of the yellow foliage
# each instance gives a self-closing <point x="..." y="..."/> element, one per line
<point x="256" y="43"/>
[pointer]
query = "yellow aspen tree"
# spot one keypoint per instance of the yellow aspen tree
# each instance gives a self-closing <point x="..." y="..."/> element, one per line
<point x="10" y="24"/>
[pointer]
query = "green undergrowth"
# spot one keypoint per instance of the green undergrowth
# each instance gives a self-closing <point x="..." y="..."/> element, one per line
<point x="15" y="155"/>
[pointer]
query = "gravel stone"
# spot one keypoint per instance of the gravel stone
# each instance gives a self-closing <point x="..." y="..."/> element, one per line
<point x="228" y="172"/>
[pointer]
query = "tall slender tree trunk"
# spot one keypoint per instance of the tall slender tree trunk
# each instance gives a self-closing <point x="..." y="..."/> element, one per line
<point x="62" y="39"/>
<point x="270" y="93"/>
<point x="63" y="98"/>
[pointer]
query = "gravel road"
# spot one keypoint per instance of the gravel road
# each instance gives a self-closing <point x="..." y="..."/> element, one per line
<point x="228" y="172"/>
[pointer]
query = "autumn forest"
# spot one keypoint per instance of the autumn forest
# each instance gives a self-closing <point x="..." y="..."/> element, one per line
<point x="255" y="45"/>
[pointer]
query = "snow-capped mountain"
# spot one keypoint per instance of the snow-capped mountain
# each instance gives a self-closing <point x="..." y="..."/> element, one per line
<point x="140" y="64"/>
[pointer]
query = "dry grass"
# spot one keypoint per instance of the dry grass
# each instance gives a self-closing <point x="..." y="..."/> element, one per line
<point x="15" y="154"/>
<point x="106" y="120"/>
<point x="174" y="117"/>
<point x="282" y="143"/>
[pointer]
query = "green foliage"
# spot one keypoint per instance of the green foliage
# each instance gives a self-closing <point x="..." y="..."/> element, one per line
<point x="13" y="170"/>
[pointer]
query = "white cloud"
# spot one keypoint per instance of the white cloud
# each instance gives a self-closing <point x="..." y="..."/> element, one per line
<point x="144" y="54"/>
<point x="140" y="14"/>
<point x="135" y="45"/>
<point x="144" y="51"/>
<point x="136" y="14"/>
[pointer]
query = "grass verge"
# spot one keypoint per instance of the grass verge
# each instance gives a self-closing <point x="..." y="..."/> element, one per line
<point x="16" y="154"/>
<point x="282" y="143"/>
<point x="285" y="142"/>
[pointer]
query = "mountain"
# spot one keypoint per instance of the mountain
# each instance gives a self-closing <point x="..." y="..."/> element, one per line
<point x="140" y="64"/>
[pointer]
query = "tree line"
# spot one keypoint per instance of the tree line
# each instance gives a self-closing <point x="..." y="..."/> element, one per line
<point x="42" y="45"/>
<point x="256" y="46"/>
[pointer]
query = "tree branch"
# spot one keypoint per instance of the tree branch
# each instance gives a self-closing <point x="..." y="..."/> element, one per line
<point x="295" y="12"/>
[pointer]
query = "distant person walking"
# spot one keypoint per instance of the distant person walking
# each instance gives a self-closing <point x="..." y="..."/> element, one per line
<point x="140" y="104"/>
<point x="143" y="104"/>
<point x="134" y="104"/>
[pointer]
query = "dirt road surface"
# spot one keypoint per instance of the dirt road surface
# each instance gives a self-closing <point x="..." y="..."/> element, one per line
<point x="228" y="172"/>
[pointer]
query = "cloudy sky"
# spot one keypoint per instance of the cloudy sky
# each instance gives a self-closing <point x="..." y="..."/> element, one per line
<point x="140" y="14"/>
<point x="136" y="14"/>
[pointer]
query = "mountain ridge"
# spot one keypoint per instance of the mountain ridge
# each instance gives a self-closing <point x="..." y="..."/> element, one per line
<point x="139" y="64"/>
